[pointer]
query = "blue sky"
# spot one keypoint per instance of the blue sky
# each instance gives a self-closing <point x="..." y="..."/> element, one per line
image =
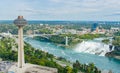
<point x="61" y="9"/>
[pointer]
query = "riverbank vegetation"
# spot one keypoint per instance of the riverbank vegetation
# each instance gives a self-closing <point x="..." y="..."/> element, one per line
<point x="90" y="68"/>
<point x="106" y="41"/>
<point x="117" y="33"/>
<point x="116" y="52"/>
<point x="6" y="52"/>
<point x="116" y="41"/>
<point x="36" y="56"/>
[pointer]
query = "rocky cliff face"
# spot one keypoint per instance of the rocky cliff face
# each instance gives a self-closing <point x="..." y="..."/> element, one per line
<point x="117" y="48"/>
<point x="114" y="52"/>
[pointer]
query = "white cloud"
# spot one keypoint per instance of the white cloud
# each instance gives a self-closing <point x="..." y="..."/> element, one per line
<point x="57" y="1"/>
<point x="76" y="7"/>
<point x="60" y="8"/>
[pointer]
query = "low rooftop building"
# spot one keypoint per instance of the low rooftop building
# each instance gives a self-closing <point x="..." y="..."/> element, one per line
<point x="31" y="68"/>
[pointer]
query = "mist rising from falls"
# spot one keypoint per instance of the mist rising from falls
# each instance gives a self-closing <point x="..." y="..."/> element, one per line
<point x="92" y="47"/>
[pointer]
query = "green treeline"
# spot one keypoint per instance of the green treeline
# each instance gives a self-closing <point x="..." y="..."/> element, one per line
<point x="45" y="31"/>
<point x="117" y="33"/>
<point x="106" y="41"/>
<point x="72" y="38"/>
<point x="6" y="52"/>
<point x="116" y="41"/>
<point x="90" y="68"/>
<point x="116" y="52"/>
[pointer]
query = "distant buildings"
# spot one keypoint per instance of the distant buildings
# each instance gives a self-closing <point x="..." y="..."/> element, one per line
<point x="8" y="34"/>
<point x="84" y="31"/>
<point x="112" y="31"/>
<point x="94" y="27"/>
<point x="115" y="29"/>
<point x="71" y="31"/>
<point x="65" y="31"/>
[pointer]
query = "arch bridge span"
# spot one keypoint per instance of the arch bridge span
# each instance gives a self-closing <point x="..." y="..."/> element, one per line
<point x="35" y="35"/>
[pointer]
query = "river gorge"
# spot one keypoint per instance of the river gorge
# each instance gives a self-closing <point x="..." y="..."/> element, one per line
<point x="84" y="52"/>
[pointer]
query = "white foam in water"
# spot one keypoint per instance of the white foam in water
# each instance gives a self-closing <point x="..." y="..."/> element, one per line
<point x="93" y="48"/>
<point x="63" y="53"/>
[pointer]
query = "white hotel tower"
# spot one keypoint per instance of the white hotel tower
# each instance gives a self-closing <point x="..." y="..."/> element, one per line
<point x="20" y="22"/>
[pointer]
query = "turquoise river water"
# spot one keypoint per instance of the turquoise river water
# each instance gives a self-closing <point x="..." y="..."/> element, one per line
<point x="102" y="62"/>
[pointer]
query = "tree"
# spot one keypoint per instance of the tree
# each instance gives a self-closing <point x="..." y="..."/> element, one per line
<point x="106" y="41"/>
<point x="68" y="69"/>
<point x="88" y="70"/>
<point x="76" y="65"/>
<point x="110" y="71"/>
<point x="92" y="66"/>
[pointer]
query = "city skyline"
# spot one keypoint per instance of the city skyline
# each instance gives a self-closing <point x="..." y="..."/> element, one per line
<point x="88" y="10"/>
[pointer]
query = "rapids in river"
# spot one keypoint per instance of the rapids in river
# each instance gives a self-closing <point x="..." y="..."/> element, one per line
<point x="93" y="47"/>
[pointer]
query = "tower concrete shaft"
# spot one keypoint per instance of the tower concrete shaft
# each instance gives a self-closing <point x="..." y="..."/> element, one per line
<point x="66" y="41"/>
<point x="20" y="22"/>
<point x="21" y="61"/>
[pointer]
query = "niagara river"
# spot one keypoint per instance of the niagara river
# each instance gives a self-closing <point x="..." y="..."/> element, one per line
<point x="84" y="55"/>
